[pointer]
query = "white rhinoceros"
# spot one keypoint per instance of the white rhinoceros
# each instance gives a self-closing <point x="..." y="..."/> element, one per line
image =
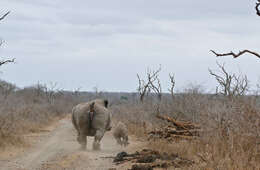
<point x="91" y="119"/>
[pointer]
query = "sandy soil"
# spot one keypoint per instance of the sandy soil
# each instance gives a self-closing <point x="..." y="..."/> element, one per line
<point x="57" y="148"/>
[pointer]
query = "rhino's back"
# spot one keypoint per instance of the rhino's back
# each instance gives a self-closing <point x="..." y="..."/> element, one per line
<point x="80" y="117"/>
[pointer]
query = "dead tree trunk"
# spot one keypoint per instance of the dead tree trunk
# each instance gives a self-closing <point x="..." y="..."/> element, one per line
<point x="143" y="88"/>
<point x="154" y="82"/>
<point x="172" y="79"/>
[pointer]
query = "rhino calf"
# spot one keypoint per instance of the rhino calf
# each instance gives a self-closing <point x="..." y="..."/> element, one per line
<point x="91" y="119"/>
<point x="120" y="133"/>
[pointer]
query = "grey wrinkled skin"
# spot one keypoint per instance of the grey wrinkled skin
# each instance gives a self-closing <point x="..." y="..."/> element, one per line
<point x="88" y="125"/>
<point x="120" y="133"/>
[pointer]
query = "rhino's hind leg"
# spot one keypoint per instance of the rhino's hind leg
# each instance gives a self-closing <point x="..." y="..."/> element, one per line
<point x="82" y="139"/>
<point x="96" y="145"/>
<point x="99" y="135"/>
<point x="125" y="141"/>
<point x="118" y="140"/>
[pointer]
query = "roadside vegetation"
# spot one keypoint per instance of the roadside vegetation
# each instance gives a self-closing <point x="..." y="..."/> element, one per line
<point x="28" y="110"/>
<point x="229" y="119"/>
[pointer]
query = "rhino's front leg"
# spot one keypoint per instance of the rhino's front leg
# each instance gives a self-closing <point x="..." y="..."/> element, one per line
<point x="99" y="135"/>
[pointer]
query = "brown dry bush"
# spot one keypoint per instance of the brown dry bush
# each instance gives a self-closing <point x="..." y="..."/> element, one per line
<point x="231" y="127"/>
<point x="28" y="110"/>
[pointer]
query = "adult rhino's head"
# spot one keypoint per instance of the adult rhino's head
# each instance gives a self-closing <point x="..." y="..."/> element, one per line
<point x="103" y="103"/>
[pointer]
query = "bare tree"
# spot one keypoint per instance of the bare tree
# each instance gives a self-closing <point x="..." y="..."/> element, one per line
<point x="51" y="92"/>
<point x="6" y="88"/>
<point x="98" y="93"/>
<point x="154" y="82"/>
<point x="76" y="92"/>
<point x="151" y="84"/>
<point x="172" y="79"/>
<point x="230" y="84"/>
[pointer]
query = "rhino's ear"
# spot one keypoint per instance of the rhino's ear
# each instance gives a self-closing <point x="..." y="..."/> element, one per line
<point x="106" y="103"/>
<point x="92" y="107"/>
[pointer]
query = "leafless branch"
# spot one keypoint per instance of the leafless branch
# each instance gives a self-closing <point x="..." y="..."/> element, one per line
<point x="6" y="61"/>
<point x="143" y="88"/>
<point x="3" y="17"/>
<point x="244" y="51"/>
<point x="52" y="92"/>
<point x="240" y="84"/>
<point x="230" y="84"/>
<point x="6" y="88"/>
<point x="224" y="80"/>
<point x="151" y="84"/>
<point x="1" y="43"/>
<point x="154" y="82"/>
<point x="236" y="55"/>
<point x="257" y="8"/>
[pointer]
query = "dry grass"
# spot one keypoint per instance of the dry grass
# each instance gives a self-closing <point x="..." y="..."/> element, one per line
<point x="27" y="111"/>
<point x="231" y="137"/>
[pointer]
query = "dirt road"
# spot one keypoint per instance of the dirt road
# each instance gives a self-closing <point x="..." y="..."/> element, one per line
<point x="57" y="149"/>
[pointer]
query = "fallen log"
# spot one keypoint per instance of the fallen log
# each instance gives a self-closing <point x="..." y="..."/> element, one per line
<point x="171" y="137"/>
<point x="176" y="130"/>
<point x="152" y="159"/>
<point x="184" y="137"/>
<point x="179" y="124"/>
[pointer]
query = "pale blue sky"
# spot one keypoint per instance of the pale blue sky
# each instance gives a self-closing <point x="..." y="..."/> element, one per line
<point x="104" y="43"/>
